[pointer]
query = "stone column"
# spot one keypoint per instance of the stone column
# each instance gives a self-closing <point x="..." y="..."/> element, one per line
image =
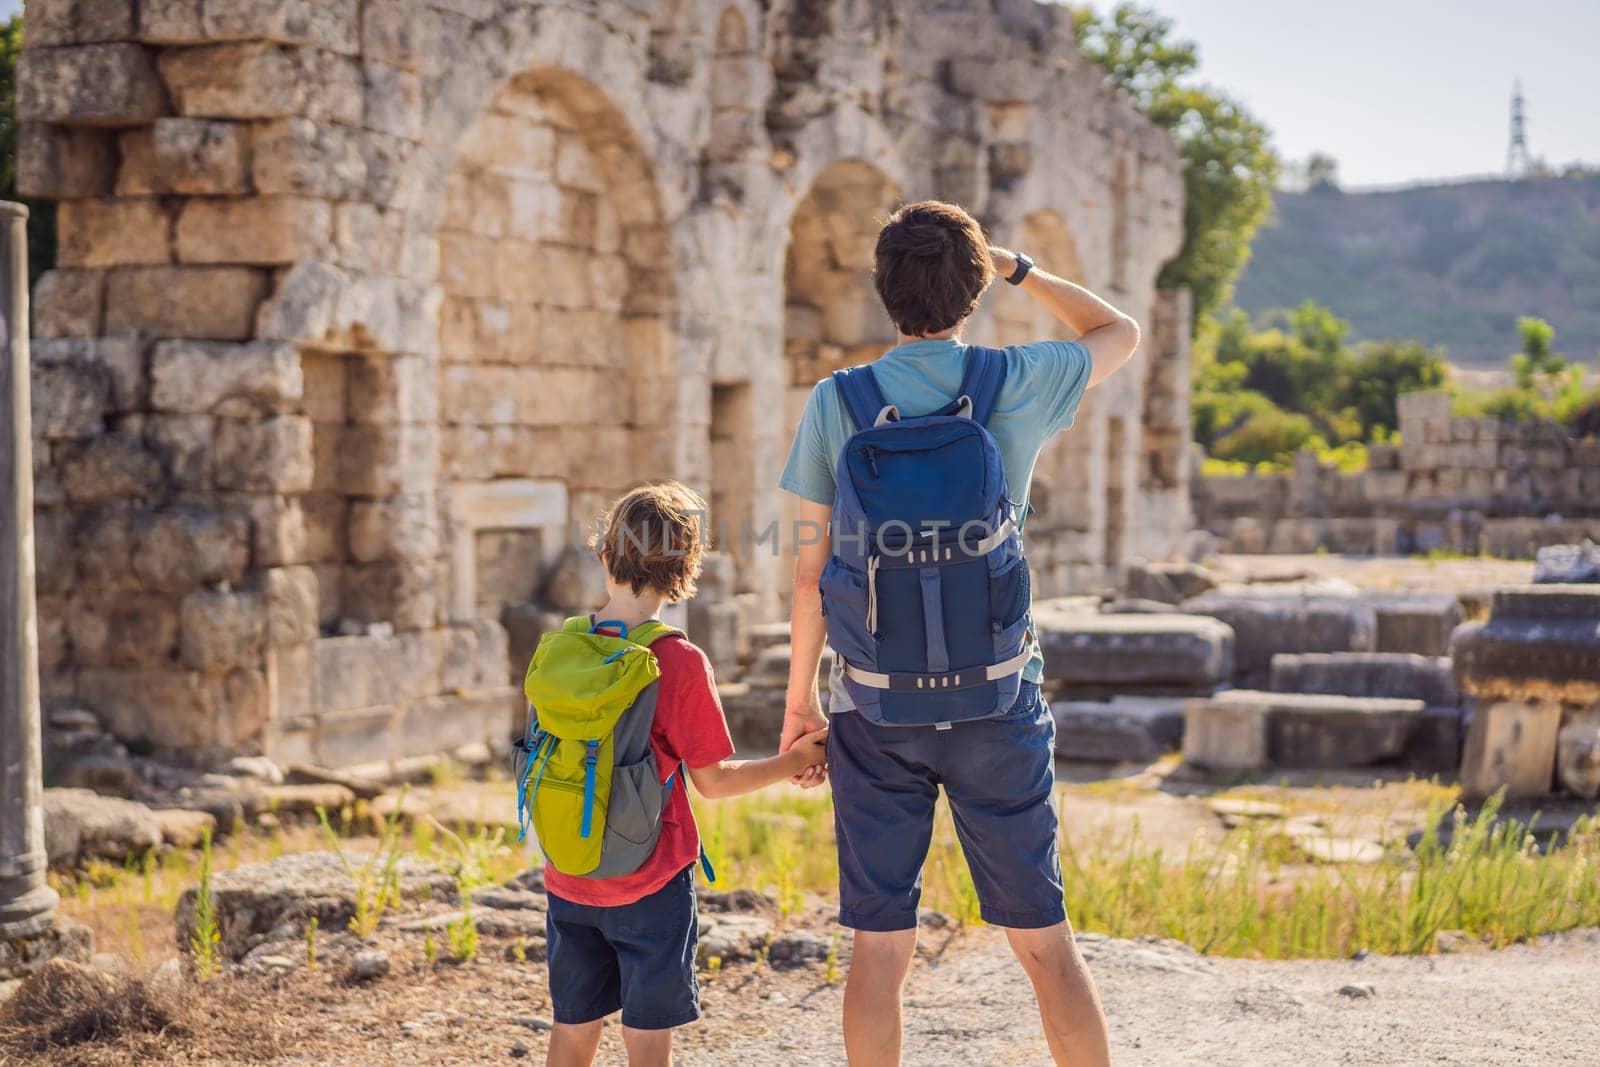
<point x="27" y="904"/>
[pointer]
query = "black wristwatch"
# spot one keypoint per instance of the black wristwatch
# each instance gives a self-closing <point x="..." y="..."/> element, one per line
<point x="1024" y="265"/>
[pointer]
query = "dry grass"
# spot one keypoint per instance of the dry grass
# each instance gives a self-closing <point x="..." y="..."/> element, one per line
<point x="68" y="1014"/>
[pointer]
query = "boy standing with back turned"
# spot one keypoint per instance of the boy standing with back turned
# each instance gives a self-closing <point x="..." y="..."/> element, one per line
<point x="627" y="941"/>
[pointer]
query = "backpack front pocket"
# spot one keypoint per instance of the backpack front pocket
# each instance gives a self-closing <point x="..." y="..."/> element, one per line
<point x="568" y="794"/>
<point x="845" y="608"/>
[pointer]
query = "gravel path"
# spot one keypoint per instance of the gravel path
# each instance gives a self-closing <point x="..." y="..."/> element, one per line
<point x="969" y="1004"/>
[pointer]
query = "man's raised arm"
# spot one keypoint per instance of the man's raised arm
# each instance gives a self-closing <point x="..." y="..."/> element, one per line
<point x="1108" y="334"/>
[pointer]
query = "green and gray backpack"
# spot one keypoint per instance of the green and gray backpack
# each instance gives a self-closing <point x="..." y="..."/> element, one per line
<point x="587" y="776"/>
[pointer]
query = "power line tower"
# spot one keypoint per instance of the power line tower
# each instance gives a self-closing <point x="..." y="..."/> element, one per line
<point x="1519" y="162"/>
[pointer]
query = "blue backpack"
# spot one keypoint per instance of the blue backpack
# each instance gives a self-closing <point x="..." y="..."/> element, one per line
<point x="926" y="595"/>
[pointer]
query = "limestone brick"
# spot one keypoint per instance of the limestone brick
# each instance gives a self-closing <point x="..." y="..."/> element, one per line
<point x="259" y="230"/>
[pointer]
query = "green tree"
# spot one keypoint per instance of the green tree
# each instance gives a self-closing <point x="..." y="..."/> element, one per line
<point x="1322" y="173"/>
<point x="41" y="214"/>
<point x="1229" y="168"/>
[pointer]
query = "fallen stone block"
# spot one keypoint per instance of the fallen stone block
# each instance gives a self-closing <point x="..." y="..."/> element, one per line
<point x="1366" y="674"/>
<point x="1419" y="622"/>
<point x="1268" y="621"/>
<point x="1170" y="653"/>
<point x="1510" y="745"/>
<point x="253" y="900"/>
<point x="1567" y="564"/>
<point x="770" y="669"/>
<point x="1124" y="729"/>
<point x="1225" y="734"/>
<point x="1244" y="729"/>
<point x="182" y="828"/>
<point x="80" y="825"/>
<point x="1578" y="754"/>
<point x="754" y="713"/>
<point x="1169" y="583"/>
<point x="1540" y="642"/>
<point x="1435" y="746"/>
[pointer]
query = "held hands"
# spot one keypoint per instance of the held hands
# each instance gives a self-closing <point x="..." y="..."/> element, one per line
<point x="810" y="751"/>
<point x="803" y="718"/>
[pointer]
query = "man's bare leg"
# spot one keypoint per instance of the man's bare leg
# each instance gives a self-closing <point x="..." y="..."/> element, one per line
<point x="878" y="968"/>
<point x="573" y="1044"/>
<point x="1069" y="1005"/>
<point x="647" y="1048"/>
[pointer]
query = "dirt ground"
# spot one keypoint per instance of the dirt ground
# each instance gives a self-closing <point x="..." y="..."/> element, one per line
<point x="967" y="1003"/>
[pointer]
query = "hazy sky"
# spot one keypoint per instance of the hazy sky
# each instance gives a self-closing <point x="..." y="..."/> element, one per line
<point x="1399" y="90"/>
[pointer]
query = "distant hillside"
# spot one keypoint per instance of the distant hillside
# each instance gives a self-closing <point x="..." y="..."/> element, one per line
<point x="1447" y="264"/>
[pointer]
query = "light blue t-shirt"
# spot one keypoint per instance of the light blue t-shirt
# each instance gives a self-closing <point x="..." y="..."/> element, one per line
<point x="1045" y="382"/>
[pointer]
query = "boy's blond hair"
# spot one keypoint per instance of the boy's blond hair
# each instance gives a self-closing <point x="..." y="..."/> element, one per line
<point x="651" y="539"/>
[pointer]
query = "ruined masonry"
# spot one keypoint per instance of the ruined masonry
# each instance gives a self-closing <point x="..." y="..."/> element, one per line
<point x="361" y="304"/>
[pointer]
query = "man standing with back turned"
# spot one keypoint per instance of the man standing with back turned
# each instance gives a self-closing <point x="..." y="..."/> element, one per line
<point x="932" y="265"/>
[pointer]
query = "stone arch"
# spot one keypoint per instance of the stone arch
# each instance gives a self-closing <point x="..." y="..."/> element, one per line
<point x="555" y="330"/>
<point x="832" y="317"/>
<point x="1066" y="535"/>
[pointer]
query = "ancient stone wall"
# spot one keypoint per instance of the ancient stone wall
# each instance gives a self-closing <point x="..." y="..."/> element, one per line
<point x="1454" y="483"/>
<point x="362" y="304"/>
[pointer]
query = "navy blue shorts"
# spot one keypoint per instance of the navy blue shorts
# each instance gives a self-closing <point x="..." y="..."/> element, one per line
<point x="999" y="777"/>
<point x="635" y="957"/>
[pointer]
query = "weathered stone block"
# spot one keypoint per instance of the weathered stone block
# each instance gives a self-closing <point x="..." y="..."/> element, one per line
<point x="291" y="600"/>
<point x="69" y="398"/>
<point x="407" y="593"/>
<point x="525" y="624"/>
<point x="475" y="657"/>
<point x="1169" y="583"/>
<point x="277" y="530"/>
<point x="62" y="162"/>
<point x="1137" y="729"/>
<point x="1417" y="621"/>
<point x="397" y="389"/>
<point x="189" y="156"/>
<point x="754" y="713"/>
<point x="217" y="303"/>
<point x="1182" y="653"/>
<point x="1538" y="643"/>
<point x="1243" y="729"/>
<point x="88" y="85"/>
<point x="715" y="626"/>
<point x="258" y="80"/>
<point x="171" y="21"/>
<point x="387" y="460"/>
<point x="68" y="303"/>
<point x="321" y="306"/>
<point x="178" y="551"/>
<point x="1578" y="753"/>
<point x="1567" y="564"/>
<point x="1367" y="674"/>
<point x="111" y="467"/>
<point x="127" y="629"/>
<point x="1224" y="734"/>
<point x="184" y="445"/>
<point x="365" y="672"/>
<point x="329" y="24"/>
<point x="81" y="825"/>
<point x="235" y="380"/>
<point x="268" y="456"/>
<point x="1511" y="745"/>
<point x="107" y="233"/>
<point x="398" y="527"/>
<point x="223" y="630"/>
<point x="58" y="22"/>
<point x="1268" y="622"/>
<point x="175" y="709"/>
<point x="300" y="157"/>
<point x="261" y="230"/>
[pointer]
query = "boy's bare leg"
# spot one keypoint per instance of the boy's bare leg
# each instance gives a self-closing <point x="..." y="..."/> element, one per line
<point x="879" y="964"/>
<point x="648" y="1048"/>
<point x="1069" y="1005"/>
<point x="573" y="1044"/>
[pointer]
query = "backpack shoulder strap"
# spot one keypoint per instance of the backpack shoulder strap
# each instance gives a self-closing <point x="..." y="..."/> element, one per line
<point x="984" y="378"/>
<point x="650" y="631"/>
<point x="858" y="388"/>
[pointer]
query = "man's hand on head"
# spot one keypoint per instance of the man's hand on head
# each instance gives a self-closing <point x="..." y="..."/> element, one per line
<point x="1004" y="261"/>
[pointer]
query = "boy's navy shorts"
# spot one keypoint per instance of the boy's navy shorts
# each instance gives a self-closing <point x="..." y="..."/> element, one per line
<point x="998" y="775"/>
<point x="638" y="957"/>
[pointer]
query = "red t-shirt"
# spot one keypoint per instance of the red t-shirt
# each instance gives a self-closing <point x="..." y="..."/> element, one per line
<point x="690" y="727"/>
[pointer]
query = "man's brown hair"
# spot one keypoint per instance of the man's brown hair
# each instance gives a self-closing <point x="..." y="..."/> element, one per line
<point x="651" y="539"/>
<point x="932" y="266"/>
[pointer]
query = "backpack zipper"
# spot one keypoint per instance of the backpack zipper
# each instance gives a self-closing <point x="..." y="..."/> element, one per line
<point x="872" y="595"/>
